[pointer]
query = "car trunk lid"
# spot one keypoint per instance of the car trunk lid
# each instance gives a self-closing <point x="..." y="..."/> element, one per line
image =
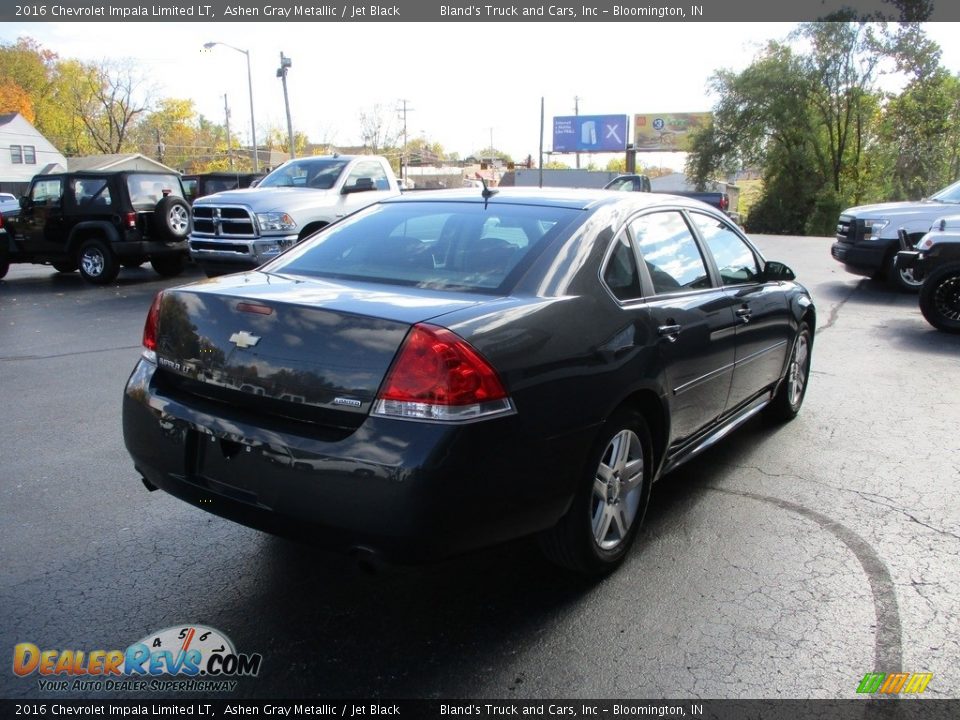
<point x="309" y="350"/>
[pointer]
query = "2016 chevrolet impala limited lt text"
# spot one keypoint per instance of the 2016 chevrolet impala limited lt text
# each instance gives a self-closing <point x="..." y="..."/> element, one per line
<point x="444" y="371"/>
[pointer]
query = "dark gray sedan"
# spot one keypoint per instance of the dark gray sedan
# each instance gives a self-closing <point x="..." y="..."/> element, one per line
<point x="444" y="371"/>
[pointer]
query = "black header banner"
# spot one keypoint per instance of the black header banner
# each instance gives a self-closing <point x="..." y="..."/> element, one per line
<point x="465" y="11"/>
<point x="571" y="709"/>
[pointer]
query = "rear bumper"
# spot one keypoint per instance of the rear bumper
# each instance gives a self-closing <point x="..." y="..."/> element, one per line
<point x="408" y="491"/>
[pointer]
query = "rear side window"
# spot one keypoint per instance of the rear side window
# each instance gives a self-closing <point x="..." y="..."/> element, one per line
<point x="91" y="192"/>
<point x="735" y="260"/>
<point x="670" y="252"/>
<point x="456" y="245"/>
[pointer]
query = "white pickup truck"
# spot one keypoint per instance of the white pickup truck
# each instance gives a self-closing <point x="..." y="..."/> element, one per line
<point x="242" y="229"/>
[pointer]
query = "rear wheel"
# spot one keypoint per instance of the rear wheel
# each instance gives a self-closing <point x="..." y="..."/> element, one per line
<point x="786" y="403"/>
<point x="602" y="522"/>
<point x="168" y="265"/>
<point x="97" y="263"/>
<point x="940" y="298"/>
<point x="4" y="262"/>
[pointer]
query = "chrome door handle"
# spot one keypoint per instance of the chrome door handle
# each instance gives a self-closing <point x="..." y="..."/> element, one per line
<point x="670" y="332"/>
<point x="744" y="314"/>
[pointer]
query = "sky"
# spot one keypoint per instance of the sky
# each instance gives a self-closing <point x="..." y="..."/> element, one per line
<point x="464" y="83"/>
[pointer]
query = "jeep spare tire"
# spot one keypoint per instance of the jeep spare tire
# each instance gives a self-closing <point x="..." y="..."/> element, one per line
<point x="171" y="218"/>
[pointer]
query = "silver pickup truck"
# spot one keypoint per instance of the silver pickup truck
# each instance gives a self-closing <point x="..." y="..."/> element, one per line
<point x="242" y="229"/>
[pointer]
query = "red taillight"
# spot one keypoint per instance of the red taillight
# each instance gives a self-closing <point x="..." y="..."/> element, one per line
<point x="150" y="326"/>
<point x="131" y="219"/>
<point x="438" y="376"/>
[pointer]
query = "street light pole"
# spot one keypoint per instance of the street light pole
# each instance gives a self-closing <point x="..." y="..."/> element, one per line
<point x="285" y="64"/>
<point x="253" y="123"/>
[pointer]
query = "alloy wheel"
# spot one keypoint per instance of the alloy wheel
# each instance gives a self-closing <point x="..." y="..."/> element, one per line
<point x="617" y="488"/>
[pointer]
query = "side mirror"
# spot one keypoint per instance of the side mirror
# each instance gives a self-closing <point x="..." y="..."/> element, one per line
<point x="24" y="201"/>
<point x="361" y="185"/>
<point x="777" y="272"/>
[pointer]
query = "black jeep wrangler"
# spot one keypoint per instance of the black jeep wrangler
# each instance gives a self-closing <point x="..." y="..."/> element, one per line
<point x="98" y="221"/>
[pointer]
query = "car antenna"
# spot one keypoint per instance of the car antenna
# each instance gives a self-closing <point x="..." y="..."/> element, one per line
<point x="487" y="192"/>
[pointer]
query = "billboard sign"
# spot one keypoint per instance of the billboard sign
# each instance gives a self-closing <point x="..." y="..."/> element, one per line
<point x="590" y="133"/>
<point x="667" y="131"/>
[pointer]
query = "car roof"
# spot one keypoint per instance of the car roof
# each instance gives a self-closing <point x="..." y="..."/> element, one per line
<point x="576" y="198"/>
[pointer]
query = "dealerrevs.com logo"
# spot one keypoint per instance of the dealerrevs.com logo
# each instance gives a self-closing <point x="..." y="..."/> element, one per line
<point x="191" y="658"/>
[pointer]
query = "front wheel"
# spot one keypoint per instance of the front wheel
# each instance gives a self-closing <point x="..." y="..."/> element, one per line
<point x="602" y="522"/>
<point x="902" y="278"/>
<point x="97" y="263"/>
<point x="793" y="388"/>
<point x="940" y="298"/>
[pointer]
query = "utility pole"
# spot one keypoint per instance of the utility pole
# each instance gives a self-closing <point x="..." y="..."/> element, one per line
<point x="403" y="109"/>
<point x="576" y="113"/>
<point x="285" y="64"/>
<point x="226" y="112"/>
<point x="160" y="147"/>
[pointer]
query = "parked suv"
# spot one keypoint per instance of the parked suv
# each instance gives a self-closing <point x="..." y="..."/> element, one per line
<point x="935" y="263"/>
<point x="98" y="221"/>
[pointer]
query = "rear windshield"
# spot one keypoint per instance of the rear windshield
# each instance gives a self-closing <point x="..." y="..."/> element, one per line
<point x="456" y="245"/>
<point x="147" y="190"/>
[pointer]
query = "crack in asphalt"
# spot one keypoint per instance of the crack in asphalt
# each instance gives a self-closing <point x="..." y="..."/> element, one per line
<point x="888" y="649"/>
<point x="874" y="498"/>
<point x="835" y="310"/>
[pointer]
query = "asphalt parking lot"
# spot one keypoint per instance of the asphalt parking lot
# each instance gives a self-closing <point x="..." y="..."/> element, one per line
<point x="785" y="562"/>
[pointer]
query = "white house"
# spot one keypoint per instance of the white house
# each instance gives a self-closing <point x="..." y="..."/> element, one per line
<point x="24" y="152"/>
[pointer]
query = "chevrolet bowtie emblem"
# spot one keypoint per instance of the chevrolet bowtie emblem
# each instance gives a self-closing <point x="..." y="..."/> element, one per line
<point x="243" y="339"/>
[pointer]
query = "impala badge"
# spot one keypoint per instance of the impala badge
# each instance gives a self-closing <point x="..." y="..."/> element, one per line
<point x="243" y="339"/>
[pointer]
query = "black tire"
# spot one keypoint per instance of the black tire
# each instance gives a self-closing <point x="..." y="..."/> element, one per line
<point x="171" y="218"/>
<point x="64" y="267"/>
<point x="940" y="298"/>
<point x="4" y="262"/>
<point x="901" y="280"/>
<point x="793" y="388"/>
<point x="602" y="522"/>
<point x="168" y="265"/>
<point x="97" y="263"/>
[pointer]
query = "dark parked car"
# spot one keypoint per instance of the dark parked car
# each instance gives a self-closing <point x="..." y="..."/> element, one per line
<point x="98" y="221"/>
<point x="201" y="185"/>
<point x="444" y="371"/>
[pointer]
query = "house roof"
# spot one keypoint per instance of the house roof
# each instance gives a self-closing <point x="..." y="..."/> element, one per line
<point x="7" y="117"/>
<point x="111" y="162"/>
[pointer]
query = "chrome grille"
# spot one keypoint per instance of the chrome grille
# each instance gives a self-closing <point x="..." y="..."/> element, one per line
<point x="227" y="221"/>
